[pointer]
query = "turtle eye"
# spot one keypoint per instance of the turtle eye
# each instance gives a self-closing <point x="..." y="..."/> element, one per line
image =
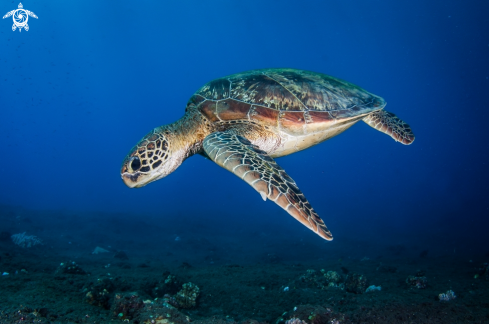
<point x="134" y="164"/>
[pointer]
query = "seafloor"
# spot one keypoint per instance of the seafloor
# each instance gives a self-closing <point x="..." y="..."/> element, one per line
<point x="249" y="277"/>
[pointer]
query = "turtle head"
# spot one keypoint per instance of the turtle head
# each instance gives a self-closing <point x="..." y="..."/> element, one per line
<point x="150" y="160"/>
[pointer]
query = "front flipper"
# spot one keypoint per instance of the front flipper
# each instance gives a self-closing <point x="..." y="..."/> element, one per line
<point x="236" y="154"/>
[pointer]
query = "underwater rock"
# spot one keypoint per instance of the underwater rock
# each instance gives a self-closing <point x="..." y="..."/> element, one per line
<point x="157" y="312"/>
<point x="70" y="268"/>
<point x="187" y="297"/>
<point x="126" y="306"/>
<point x="98" y="298"/>
<point x="356" y="283"/>
<point x="99" y="293"/>
<point x="418" y="282"/>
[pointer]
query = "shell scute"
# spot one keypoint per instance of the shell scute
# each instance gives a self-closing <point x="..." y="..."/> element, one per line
<point x="208" y="109"/>
<point x="322" y="92"/>
<point x="320" y="116"/>
<point x="299" y="101"/>
<point x="262" y="90"/>
<point x="264" y="115"/>
<point x="230" y="109"/>
<point x="215" y="90"/>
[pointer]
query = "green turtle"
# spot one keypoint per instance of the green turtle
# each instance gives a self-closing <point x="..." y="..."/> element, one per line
<point x="243" y="121"/>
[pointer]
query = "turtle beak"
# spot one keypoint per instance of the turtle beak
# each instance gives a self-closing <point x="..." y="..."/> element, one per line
<point x="130" y="176"/>
<point x="131" y="180"/>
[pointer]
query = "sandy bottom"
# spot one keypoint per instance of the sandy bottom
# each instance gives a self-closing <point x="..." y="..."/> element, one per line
<point x="138" y="281"/>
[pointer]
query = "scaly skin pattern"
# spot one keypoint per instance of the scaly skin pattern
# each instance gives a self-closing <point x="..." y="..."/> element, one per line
<point x="244" y="120"/>
<point x="163" y="149"/>
<point x="236" y="154"/>
<point x="391" y="125"/>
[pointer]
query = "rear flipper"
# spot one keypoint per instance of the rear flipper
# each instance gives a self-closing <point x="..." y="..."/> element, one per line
<point x="391" y="125"/>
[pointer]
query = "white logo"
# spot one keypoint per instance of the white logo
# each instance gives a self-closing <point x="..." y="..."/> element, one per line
<point x="20" y="17"/>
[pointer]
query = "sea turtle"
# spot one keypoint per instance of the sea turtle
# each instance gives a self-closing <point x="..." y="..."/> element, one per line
<point x="243" y="121"/>
<point x="20" y="17"/>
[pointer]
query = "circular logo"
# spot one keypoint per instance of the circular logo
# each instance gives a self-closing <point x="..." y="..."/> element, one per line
<point x="20" y="17"/>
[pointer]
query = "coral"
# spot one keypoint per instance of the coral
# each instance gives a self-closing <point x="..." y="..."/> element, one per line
<point x="332" y="277"/>
<point x="25" y="241"/>
<point x="356" y="283"/>
<point x="187" y="297"/>
<point x="418" y="282"/>
<point x="449" y="295"/>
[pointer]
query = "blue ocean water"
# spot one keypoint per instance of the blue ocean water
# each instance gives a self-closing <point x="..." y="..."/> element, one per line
<point x="90" y="79"/>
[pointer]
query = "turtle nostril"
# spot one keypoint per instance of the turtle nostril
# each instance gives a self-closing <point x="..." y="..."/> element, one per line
<point x="134" y="163"/>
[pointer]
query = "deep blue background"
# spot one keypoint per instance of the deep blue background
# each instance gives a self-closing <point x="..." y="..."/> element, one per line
<point x="90" y="78"/>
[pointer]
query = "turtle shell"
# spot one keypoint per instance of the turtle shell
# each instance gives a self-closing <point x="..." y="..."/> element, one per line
<point x="287" y="98"/>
